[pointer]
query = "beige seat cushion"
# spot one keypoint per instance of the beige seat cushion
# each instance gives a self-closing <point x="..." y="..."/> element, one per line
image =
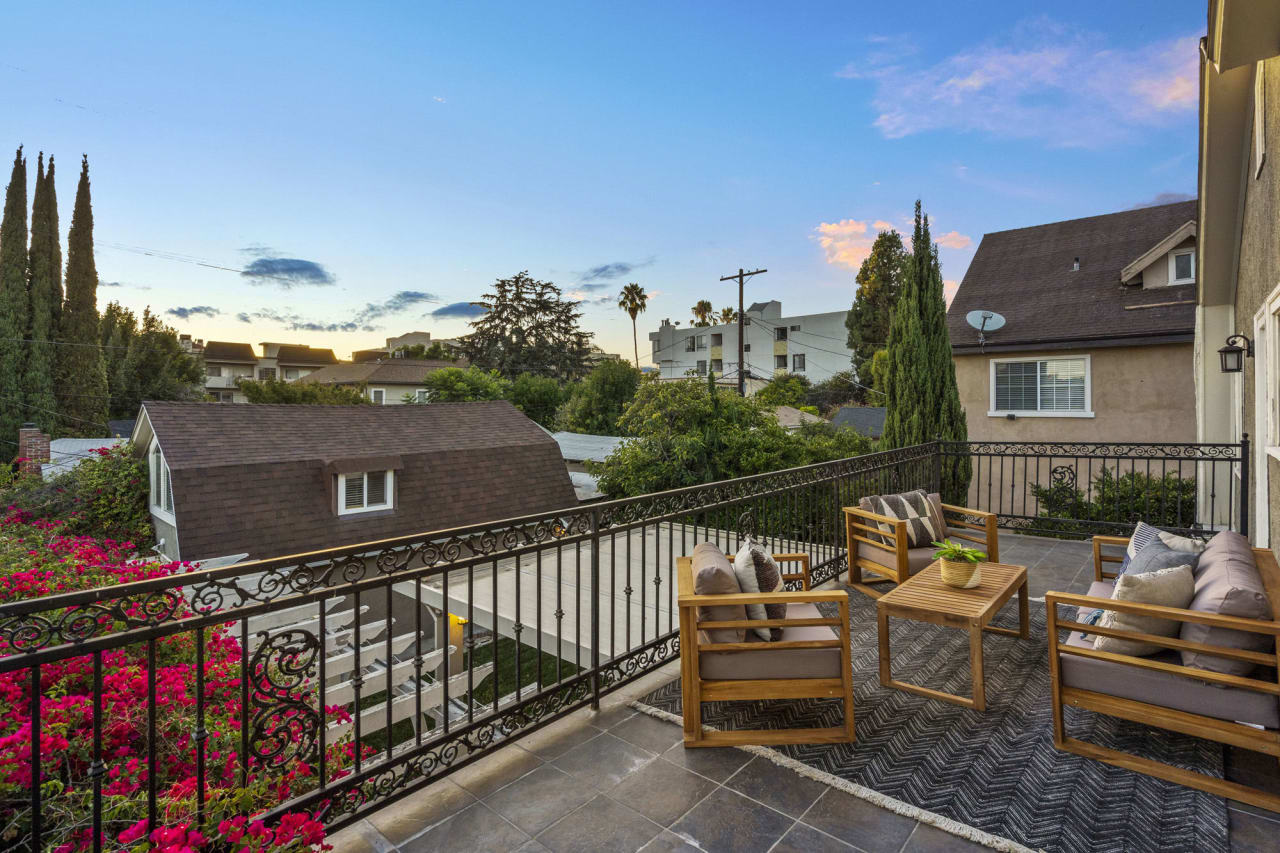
<point x="1164" y="689"/>
<point x="917" y="558"/>
<point x="777" y="663"/>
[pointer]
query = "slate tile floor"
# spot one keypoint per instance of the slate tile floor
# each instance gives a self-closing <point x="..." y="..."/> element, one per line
<point x="616" y="780"/>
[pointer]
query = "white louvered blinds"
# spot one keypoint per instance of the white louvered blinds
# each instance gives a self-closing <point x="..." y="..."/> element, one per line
<point x="364" y="492"/>
<point x="1042" y="385"/>
<point x="354" y="497"/>
<point x="376" y="488"/>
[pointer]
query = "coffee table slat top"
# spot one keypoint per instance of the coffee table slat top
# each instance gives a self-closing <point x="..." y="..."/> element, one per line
<point x="926" y="590"/>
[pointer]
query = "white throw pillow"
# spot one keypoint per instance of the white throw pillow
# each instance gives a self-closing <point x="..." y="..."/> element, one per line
<point x="1185" y="544"/>
<point x="1172" y="587"/>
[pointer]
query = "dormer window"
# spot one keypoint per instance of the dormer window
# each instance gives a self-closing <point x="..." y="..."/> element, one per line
<point x="367" y="491"/>
<point x="161" y="484"/>
<point x="1182" y="266"/>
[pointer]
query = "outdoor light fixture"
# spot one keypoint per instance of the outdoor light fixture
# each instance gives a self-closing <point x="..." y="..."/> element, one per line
<point x="1233" y="354"/>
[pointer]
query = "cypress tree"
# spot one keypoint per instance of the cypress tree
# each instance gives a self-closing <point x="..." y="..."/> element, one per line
<point x="81" y="376"/>
<point x="44" y="289"/>
<point x="924" y="401"/>
<point x="13" y="303"/>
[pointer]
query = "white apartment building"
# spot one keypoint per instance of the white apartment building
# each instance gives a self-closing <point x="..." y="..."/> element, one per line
<point x="811" y="345"/>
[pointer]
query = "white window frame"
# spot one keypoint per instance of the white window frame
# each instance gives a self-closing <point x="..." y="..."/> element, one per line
<point x="1173" y="266"/>
<point x="213" y="370"/>
<point x="378" y="396"/>
<point x="161" y="481"/>
<point x="993" y="412"/>
<point x="1266" y="330"/>
<point x="295" y="374"/>
<point x="421" y="395"/>
<point x="342" y="493"/>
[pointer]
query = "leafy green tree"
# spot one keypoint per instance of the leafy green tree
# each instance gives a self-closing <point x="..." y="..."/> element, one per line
<point x="528" y="327"/>
<point x="633" y="300"/>
<point x="465" y="385"/>
<point x="155" y="367"/>
<point x="313" y="393"/>
<point x="879" y="368"/>
<point x="13" y="303"/>
<point x="44" y="289"/>
<point x="81" y="375"/>
<point x="833" y="392"/>
<point x="539" y="397"/>
<point x="784" y="389"/>
<point x="596" y="403"/>
<point x="702" y="313"/>
<point x="880" y="280"/>
<point x="728" y="315"/>
<point x="116" y="330"/>
<point x="436" y="352"/>
<point x="923" y="400"/>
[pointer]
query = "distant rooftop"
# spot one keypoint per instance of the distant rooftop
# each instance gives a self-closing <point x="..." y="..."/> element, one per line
<point x="868" y="420"/>
<point x="580" y="447"/>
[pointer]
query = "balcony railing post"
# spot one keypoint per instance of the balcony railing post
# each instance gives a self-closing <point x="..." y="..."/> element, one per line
<point x="937" y="464"/>
<point x="1244" y="485"/>
<point x="595" y="610"/>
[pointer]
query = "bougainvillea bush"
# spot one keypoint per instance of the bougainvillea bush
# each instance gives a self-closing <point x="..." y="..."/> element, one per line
<point x="38" y="558"/>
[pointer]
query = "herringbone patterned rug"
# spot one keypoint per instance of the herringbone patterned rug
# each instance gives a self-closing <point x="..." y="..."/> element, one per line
<point x="996" y="771"/>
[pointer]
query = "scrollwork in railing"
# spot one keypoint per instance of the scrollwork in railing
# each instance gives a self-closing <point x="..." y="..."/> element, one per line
<point x="284" y="726"/>
<point x="1111" y="450"/>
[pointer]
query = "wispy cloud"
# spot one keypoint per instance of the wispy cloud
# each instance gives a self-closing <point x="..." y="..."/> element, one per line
<point x="1042" y="80"/>
<point x="613" y="270"/>
<point x="462" y="310"/>
<point x="110" y="284"/>
<point x="287" y="273"/>
<point x="954" y="240"/>
<point x="1163" y="198"/>
<point x="400" y="301"/>
<point x="295" y="323"/>
<point x="183" y="313"/>
<point x="848" y="242"/>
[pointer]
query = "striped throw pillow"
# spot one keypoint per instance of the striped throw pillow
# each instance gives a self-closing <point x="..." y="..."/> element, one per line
<point x="913" y="508"/>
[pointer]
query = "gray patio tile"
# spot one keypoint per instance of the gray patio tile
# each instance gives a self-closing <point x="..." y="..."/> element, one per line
<point x="649" y="732"/>
<point x="776" y="787"/>
<point x="661" y="791"/>
<point x="531" y="846"/>
<point x="1251" y="833"/>
<point x="539" y="799"/>
<point x="718" y="763"/>
<point x="415" y="813"/>
<point x="610" y="717"/>
<point x="668" y="842"/>
<point x="930" y="839"/>
<point x="604" y="761"/>
<point x="600" y="824"/>
<point x="359" y="837"/>
<point x="803" y="838"/>
<point x="473" y="828"/>
<point x="728" y="821"/>
<point x="490" y="773"/>
<point x="560" y="737"/>
<point x="860" y="823"/>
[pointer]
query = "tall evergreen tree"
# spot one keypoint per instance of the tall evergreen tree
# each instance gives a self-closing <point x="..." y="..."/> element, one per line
<point x="154" y="367"/>
<point x="528" y="326"/>
<point x="879" y="283"/>
<point x="116" y="330"/>
<point x="81" y="376"/>
<point x="44" y="289"/>
<point x="924" y="402"/>
<point x="13" y="303"/>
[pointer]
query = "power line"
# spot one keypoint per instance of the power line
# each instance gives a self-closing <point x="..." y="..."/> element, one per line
<point x="59" y="414"/>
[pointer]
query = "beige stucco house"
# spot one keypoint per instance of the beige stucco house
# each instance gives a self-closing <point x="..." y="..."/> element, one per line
<point x="1097" y="340"/>
<point x="1238" y="268"/>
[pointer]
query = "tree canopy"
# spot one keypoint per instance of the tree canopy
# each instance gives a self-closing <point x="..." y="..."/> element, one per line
<point x="784" y="389"/>
<point x="880" y="281"/>
<point x="596" y="403"/>
<point x="279" y="391"/>
<point x="528" y="327"/>
<point x="418" y="352"/>
<point x="465" y="385"/>
<point x="539" y="397"/>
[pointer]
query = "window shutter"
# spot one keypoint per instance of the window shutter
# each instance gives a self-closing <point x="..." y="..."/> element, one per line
<point x="376" y="488"/>
<point x="354" y="491"/>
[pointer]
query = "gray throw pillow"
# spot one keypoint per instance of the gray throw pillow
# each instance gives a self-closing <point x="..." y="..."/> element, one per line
<point x="1155" y="555"/>
<point x="712" y="575"/>
<point x="912" y="507"/>
<point x="757" y="571"/>
<point x="1170" y="587"/>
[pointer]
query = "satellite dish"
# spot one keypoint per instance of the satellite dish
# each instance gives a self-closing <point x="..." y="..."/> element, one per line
<point x="984" y="321"/>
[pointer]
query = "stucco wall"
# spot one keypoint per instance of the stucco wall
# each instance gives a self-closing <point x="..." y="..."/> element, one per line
<point x="1259" y="272"/>
<point x="1139" y="394"/>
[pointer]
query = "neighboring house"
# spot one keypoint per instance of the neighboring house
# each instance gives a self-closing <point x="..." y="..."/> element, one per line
<point x="596" y="355"/>
<point x="579" y="448"/>
<point x="868" y="420"/>
<point x="791" y="418"/>
<point x="225" y="362"/>
<point x="384" y="382"/>
<point x="1239" y="260"/>
<point x="1098" y="342"/>
<point x="270" y="480"/>
<point x="406" y="340"/>
<point x="291" y="362"/>
<point x="811" y="345"/>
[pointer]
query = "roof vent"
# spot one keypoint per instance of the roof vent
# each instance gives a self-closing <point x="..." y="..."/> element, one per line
<point x="1075" y="265"/>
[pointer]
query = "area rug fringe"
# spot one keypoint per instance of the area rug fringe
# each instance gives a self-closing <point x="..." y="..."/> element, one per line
<point x="897" y="806"/>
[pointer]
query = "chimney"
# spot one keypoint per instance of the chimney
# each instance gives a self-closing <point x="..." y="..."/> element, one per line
<point x="33" y="449"/>
<point x="1075" y="265"/>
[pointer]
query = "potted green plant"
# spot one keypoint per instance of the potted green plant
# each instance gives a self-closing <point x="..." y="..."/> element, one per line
<point x="961" y="565"/>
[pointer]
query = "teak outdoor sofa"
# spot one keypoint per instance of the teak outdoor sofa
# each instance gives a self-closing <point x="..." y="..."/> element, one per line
<point x="886" y="552"/>
<point x="1158" y="690"/>
<point x="811" y="660"/>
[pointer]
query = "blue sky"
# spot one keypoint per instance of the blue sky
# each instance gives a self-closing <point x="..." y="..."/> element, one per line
<point x="355" y="168"/>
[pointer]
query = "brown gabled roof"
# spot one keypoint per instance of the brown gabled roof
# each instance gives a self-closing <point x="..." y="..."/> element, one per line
<point x="300" y="354"/>
<point x="390" y="372"/>
<point x="225" y="351"/>
<point x="260" y="478"/>
<point x="1026" y="275"/>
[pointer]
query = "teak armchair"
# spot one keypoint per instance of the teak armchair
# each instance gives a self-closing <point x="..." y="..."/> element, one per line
<point x="739" y="660"/>
<point x="893" y="561"/>
<point x="1083" y="677"/>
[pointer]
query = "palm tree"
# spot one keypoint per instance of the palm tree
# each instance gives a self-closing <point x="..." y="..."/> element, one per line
<point x="728" y="315"/>
<point x="702" y="313"/>
<point x="633" y="300"/>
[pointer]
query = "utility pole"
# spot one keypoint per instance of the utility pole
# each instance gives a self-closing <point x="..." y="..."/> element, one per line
<point x="741" y="278"/>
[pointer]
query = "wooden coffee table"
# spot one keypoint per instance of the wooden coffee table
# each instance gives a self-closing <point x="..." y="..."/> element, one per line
<point x="925" y="598"/>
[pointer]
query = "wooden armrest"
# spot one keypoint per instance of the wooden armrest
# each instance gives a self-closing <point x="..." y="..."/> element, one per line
<point x="1253" y="626"/>
<point x="896" y="536"/>
<point x="964" y="510"/>
<point x="808" y="596"/>
<point x="1099" y="558"/>
<point x="1111" y="540"/>
<point x="833" y="643"/>
<point x="791" y="558"/>
<point x="868" y="514"/>
<point x="1176" y="643"/>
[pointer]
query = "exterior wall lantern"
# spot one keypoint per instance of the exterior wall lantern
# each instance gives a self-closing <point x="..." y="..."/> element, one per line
<point x="1233" y="354"/>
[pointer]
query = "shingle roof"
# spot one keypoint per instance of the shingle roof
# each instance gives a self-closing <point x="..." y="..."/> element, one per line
<point x="789" y="417"/>
<point x="226" y="351"/>
<point x="260" y="478"/>
<point x="579" y="447"/>
<point x="1026" y="275"/>
<point x="299" y="354"/>
<point x="868" y="420"/>
<point x="67" y="453"/>
<point x="398" y="371"/>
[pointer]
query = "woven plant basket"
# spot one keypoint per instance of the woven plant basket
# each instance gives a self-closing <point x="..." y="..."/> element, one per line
<point x="961" y="573"/>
